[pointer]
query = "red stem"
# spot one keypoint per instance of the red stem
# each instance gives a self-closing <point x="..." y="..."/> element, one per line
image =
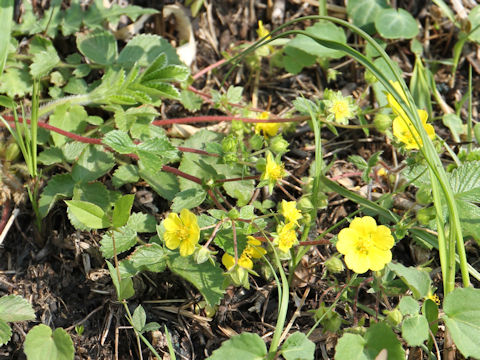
<point x="208" y="68"/>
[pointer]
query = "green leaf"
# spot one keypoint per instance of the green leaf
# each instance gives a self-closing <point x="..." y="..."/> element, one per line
<point x="70" y="118"/>
<point x="15" y="308"/>
<point x="124" y="287"/>
<point x="240" y="347"/>
<point x="294" y="60"/>
<point x="206" y="277"/>
<point x="144" y="50"/>
<point x="99" y="46"/>
<point x="350" y="347"/>
<point x="16" y="81"/>
<point x="97" y="14"/>
<point x="125" y="174"/>
<point x="139" y="318"/>
<point x="125" y="239"/>
<point x="119" y="141"/>
<point x="188" y="199"/>
<point x="454" y="123"/>
<point x="161" y="89"/>
<point x="95" y="193"/>
<point x="379" y="336"/>
<point x="93" y="163"/>
<point x="6" y="20"/>
<point x="121" y="210"/>
<point x="396" y="24"/>
<point x="5" y="332"/>
<point x="60" y="186"/>
<point x="465" y="182"/>
<point x="142" y="223"/>
<point x="430" y="310"/>
<point x="298" y="347"/>
<point x="72" y="20"/>
<point x="323" y="30"/>
<point x="364" y="12"/>
<point x="41" y="343"/>
<point x="165" y="184"/>
<point x="149" y="257"/>
<point x="408" y="306"/>
<point x="45" y="57"/>
<point x="190" y="100"/>
<point x="474" y="17"/>
<point x="168" y="73"/>
<point x="418" y="281"/>
<point x="415" y="330"/>
<point x="90" y="215"/>
<point x="51" y="156"/>
<point x="462" y="318"/>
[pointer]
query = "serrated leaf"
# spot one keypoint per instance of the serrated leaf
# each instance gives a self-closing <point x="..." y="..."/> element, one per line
<point x="125" y="174"/>
<point x="396" y="24"/>
<point x="97" y="13"/>
<point x="60" y="186"/>
<point x="188" y="199"/>
<point x="119" y="141"/>
<point x="162" y="89"/>
<point x="364" y="12"/>
<point x="72" y="20"/>
<point x="163" y="183"/>
<point x="144" y="50"/>
<point x="121" y="210"/>
<point x="417" y="280"/>
<point x="99" y="46"/>
<point x="45" y="57"/>
<point x="16" y="81"/>
<point x="70" y="118"/>
<point x="5" y="332"/>
<point x="465" y="181"/>
<point x="298" y="347"/>
<point x="51" y="156"/>
<point x="125" y="239"/>
<point x="15" y="308"/>
<point x="139" y="318"/>
<point x="41" y="343"/>
<point x="93" y="163"/>
<point x="73" y="150"/>
<point x="462" y="316"/>
<point x="142" y="223"/>
<point x="149" y="257"/>
<point x="415" y="330"/>
<point x="168" y="73"/>
<point x="240" y="347"/>
<point x="350" y="347"/>
<point x="206" y="277"/>
<point x="160" y="62"/>
<point x="124" y="286"/>
<point x="190" y="100"/>
<point x="95" y="193"/>
<point x="91" y="215"/>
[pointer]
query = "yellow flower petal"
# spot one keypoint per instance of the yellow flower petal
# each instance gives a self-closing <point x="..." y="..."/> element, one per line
<point x="364" y="225"/>
<point x="182" y="232"/>
<point x="228" y="261"/>
<point x="290" y="211"/>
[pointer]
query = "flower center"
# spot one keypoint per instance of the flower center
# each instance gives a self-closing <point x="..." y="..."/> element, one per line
<point x="340" y="109"/>
<point x="182" y="233"/>
<point x="364" y="243"/>
<point x="276" y="172"/>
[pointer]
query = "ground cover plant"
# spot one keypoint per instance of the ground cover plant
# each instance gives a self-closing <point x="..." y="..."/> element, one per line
<point x="337" y="219"/>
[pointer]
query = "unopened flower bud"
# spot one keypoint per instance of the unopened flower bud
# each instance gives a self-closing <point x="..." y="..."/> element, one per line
<point x="229" y="144"/>
<point x="279" y="145"/>
<point x="256" y="142"/>
<point x="382" y="122"/>
<point x="304" y="205"/>
<point x="334" y="265"/>
<point x="12" y="151"/>
<point x="394" y="317"/>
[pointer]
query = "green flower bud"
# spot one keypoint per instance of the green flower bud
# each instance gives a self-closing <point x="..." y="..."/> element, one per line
<point x="382" y="122"/>
<point x="370" y="78"/>
<point x="334" y="265"/>
<point x="279" y="145"/>
<point x="12" y="151"/>
<point x="256" y="142"/>
<point x="394" y="317"/>
<point x="229" y="144"/>
<point x="237" y="125"/>
<point x="230" y="158"/>
<point x="203" y="254"/>
<point x="304" y="205"/>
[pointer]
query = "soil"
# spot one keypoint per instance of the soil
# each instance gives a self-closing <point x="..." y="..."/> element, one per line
<point x="61" y="271"/>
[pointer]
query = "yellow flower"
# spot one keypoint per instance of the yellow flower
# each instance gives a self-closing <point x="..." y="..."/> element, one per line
<point x="365" y="245"/>
<point x="290" y="211"/>
<point x="434" y="298"/>
<point x="340" y="107"/>
<point x="244" y="261"/>
<point x="253" y="250"/>
<point x="268" y="129"/>
<point x="261" y="31"/>
<point x="274" y="171"/>
<point x="403" y="128"/>
<point x="182" y="232"/>
<point x="286" y="236"/>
